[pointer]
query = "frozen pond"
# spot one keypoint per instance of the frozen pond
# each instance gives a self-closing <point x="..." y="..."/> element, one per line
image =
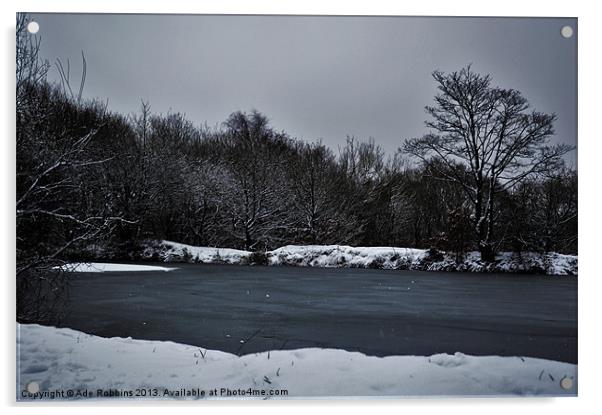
<point x="246" y="309"/>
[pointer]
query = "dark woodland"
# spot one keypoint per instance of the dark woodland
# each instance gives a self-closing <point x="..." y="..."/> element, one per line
<point x="483" y="177"/>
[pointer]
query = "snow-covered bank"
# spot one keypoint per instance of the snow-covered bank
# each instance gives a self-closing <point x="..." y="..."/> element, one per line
<point x="65" y="359"/>
<point x="169" y="251"/>
<point x="109" y="267"/>
<point x="420" y="259"/>
<point x="366" y="257"/>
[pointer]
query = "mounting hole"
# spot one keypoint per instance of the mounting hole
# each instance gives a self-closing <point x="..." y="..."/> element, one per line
<point x="33" y="27"/>
<point x="33" y="387"/>
<point x="566" y="383"/>
<point x="566" y="32"/>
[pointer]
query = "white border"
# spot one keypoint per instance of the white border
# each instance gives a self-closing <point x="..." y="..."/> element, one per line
<point x="590" y="153"/>
<point x="348" y="7"/>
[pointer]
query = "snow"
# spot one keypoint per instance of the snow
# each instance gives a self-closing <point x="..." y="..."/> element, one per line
<point x="169" y="251"/>
<point x="369" y="257"/>
<point x="109" y="267"/>
<point x="345" y="256"/>
<point x="65" y="359"/>
<point x="420" y="259"/>
<point x="550" y="263"/>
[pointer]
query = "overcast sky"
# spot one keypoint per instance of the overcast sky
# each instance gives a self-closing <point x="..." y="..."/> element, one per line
<point x="314" y="77"/>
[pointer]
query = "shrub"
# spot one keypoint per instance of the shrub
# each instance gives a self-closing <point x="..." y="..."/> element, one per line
<point x="258" y="258"/>
<point x="186" y="255"/>
<point x="377" y="263"/>
<point x="434" y="255"/>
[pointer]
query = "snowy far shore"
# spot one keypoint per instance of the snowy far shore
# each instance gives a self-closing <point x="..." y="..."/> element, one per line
<point x="365" y="257"/>
<point x="109" y="267"/>
<point x="53" y="360"/>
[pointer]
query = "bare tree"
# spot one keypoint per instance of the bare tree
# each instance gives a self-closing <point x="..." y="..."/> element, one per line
<point x="142" y="122"/>
<point x="362" y="160"/>
<point x="58" y="207"/>
<point x="312" y="173"/>
<point x="30" y="69"/>
<point x="485" y="139"/>
<point x="257" y="200"/>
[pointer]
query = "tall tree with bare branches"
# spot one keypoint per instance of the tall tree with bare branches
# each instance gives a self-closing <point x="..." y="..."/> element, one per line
<point x="486" y="139"/>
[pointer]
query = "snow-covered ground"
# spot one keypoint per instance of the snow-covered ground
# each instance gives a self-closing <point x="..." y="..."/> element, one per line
<point x="176" y="252"/>
<point x="367" y="257"/>
<point x="54" y="359"/>
<point x="345" y="256"/>
<point x="108" y="267"/>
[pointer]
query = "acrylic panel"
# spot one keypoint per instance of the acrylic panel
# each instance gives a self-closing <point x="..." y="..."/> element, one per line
<point x="281" y="207"/>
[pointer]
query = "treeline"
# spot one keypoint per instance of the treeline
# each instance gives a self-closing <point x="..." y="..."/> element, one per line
<point x="113" y="181"/>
